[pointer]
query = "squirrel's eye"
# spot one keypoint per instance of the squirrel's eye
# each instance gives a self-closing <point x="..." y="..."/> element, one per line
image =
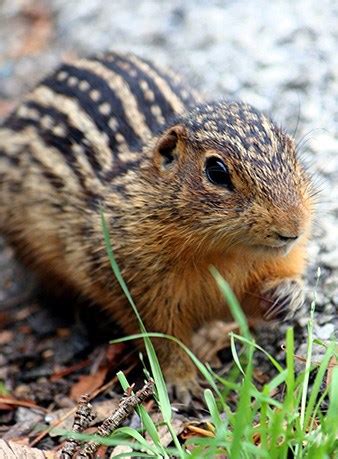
<point x="217" y="173"/>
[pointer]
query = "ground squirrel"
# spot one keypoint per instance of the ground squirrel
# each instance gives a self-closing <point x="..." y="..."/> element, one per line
<point x="183" y="184"/>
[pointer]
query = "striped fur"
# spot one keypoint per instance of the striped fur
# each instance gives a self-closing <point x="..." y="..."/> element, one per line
<point x="108" y="106"/>
<point x="114" y="132"/>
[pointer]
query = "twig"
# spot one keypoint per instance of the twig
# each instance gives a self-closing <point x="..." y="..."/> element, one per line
<point x="126" y="406"/>
<point x="83" y="417"/>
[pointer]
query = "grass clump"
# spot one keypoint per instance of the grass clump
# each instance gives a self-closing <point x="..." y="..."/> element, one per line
<point x="262" y="425"/>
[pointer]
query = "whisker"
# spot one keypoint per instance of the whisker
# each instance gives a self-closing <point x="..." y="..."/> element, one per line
<point x="306" y="137"/>
<point x="298" y="119"/>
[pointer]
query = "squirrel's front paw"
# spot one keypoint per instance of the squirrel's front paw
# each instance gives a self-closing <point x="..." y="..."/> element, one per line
<point x="282" y="298"/>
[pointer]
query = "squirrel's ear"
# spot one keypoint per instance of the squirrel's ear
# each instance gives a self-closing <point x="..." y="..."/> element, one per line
<point x="170" y="145"/>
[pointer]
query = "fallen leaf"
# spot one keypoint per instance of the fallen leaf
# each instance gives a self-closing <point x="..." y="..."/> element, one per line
<point x="88" y="383"/>
<point x="12" y="450"/>
<point x="209" y="340"/>
<point x="121" y="449"/>
<point x="198" y="429"/>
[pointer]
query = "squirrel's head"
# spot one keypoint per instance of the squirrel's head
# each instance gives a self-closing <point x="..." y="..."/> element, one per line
<point x="233" y="178"/>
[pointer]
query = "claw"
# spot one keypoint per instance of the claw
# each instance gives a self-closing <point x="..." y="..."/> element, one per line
<point x="286" y="295"/>
<point x="277" y="309"/>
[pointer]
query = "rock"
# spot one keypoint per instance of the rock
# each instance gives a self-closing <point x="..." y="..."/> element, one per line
<point x="330" y="259"/>
<point x="325" y="332"/>
<point x="335" y="300"/>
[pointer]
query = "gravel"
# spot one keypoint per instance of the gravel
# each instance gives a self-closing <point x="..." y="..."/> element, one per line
<point x="280" y="56"/>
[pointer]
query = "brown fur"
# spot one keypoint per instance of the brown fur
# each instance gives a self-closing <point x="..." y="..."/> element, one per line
<point x="168" y="223"/>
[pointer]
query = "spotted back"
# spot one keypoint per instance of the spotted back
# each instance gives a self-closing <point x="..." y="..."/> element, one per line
<point x="99" y="111"/>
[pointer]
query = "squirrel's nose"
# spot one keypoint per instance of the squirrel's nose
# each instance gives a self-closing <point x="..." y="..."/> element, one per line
<point x="287" y="237"/>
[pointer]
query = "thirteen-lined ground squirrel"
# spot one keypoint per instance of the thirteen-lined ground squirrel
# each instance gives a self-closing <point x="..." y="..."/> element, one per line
<point x="183" y="184"/>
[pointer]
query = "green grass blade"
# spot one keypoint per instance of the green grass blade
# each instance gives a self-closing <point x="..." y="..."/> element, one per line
<point x="316" y="411"/>
<point x="117" y="438"/>
<point x="235" y="353"/>
<point x="155" y="366"/>
<point x="138" y="437"/>
<point x="252" y="343"/>
<point x="276" y="381"/>
<point x="116" y="270"/>
<point x="308" y="356"/>
<point x="332" y="414"/>
<point x="263" y="420"/>
<point x="242" y="417"/>
<point x="213" y="410"/>
<point x="161" y="388"/>
<point x="233" y="303"/>
<point x="200" y="366"/>
<point x="290" y="365"/>
<point x="318" y="382"/>
<point x="307" y="367"/>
